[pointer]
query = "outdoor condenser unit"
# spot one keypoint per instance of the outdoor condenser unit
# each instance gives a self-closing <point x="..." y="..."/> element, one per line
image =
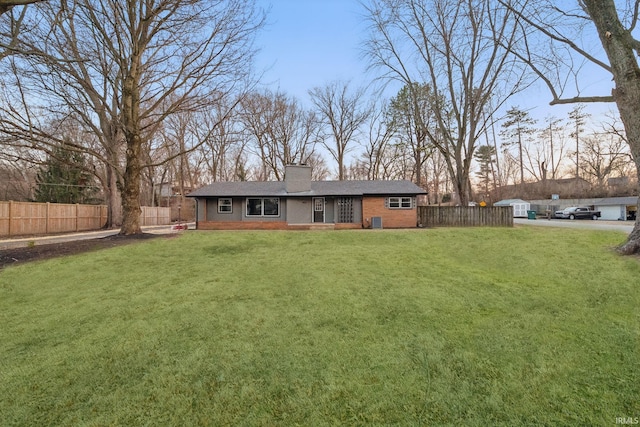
<point x="376" y="222"/>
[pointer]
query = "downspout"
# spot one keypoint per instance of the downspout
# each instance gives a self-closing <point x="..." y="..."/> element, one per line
<point x="197" y="216"/>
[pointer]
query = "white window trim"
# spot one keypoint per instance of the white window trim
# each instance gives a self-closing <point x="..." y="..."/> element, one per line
<point x="262" y="214"/>
<point x="401" y="201"/>
<point x="221" y="205"/>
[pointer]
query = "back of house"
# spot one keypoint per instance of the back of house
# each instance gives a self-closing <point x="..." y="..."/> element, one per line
<point x="300" y="203"/>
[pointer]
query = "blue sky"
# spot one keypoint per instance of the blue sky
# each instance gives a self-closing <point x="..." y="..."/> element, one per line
<point x="308" y="43"/>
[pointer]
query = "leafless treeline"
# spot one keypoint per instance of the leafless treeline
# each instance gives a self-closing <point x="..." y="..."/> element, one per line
<point x="268" y="130"/>
<point x="161" y="96"/>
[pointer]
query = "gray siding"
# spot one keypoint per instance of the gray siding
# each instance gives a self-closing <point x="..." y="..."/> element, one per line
<point x="200" y="209"/>
<point x="235" y="215"/>
<point x="296" y="210"/>
<point x="357" y="209"/>
<point x="238" y="211"/>
<point x="329" y="210"/>
<point x="299" y="210"/>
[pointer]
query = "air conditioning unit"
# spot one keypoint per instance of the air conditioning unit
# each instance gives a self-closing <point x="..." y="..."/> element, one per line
<point x="376" y="222"/>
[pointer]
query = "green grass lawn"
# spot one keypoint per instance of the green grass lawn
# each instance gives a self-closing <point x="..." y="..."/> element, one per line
<point x="478" y="327"/>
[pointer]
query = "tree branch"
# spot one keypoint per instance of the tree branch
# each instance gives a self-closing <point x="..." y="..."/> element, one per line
<point x="582" y="99"/>
<point x="547" y="32"/>
<point x="5" y="5"/>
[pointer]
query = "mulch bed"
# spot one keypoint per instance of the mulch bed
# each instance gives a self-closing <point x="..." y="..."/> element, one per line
<point x="37" y="252"/>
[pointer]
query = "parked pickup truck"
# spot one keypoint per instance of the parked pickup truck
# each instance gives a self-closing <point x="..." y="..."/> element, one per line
<point x="578" y="213"/>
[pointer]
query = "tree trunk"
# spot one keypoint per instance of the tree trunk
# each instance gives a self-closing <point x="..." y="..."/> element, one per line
<point x="628" y="101"/>
<point x="131" y="192"/>
<point x="619" y="46"/>
<point x="114" y="202"/>
<point x="340" y="165"/>
<point x="418" y="165"/>
<point x="461" y="182"/>
<point x="132" y="175"/>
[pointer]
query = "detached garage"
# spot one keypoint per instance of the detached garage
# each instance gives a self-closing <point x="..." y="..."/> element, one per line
<point x="520" y="207"/>
<point x="617" y="208"/>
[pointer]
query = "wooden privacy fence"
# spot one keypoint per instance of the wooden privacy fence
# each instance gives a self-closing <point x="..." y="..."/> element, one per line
<point x="465" y="216"/>
<point x="25" y="218"/>
<point x="154" y="215"/>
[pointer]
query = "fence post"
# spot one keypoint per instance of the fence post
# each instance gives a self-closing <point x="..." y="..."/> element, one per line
<point x="10" y="215"/>
<point x="46" y="220"/>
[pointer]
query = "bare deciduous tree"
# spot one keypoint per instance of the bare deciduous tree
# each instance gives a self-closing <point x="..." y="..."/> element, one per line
<point x="536" y="159"/>
<point x="597" y="33"/>
<point x="284" y="133"/>
<point x="436" y="175"/>
<point x="601" y="157"/>
<point x="342" y="113"/>
<point x="450" y="46"/>
<point x="6" y="5"/>
<point x="412" y="120"/>
<point x="375" y="160"/>
<point x="11" y="25"/>
<point x="17" y="179"/>
<point x="552" y="138"/>
<point x="223" y="148"/>
<point x="125" y="66"/>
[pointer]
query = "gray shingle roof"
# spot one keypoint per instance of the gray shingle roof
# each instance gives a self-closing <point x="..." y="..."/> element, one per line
<point x="318" y="189"/>
<point x="613" y="201"/>
<point x="508" y="202"/>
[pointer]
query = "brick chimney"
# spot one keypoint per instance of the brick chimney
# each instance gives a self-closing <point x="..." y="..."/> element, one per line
<point x="297" y="178"/>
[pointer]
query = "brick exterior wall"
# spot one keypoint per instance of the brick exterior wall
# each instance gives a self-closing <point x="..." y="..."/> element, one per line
<point x="241" y="225"/>
<point x="391" y="218"/>
<point x="271" y="225"/>
<point x="347" y="226"/>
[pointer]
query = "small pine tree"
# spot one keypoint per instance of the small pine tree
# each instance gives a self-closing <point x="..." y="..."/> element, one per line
<point x="63" y="178"/>
<point x="485" y="155"/>
<point x="518" y="125"/>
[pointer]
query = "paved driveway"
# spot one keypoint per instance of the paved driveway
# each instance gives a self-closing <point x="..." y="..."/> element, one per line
<point x="60" y="238"/>
<point x="622" y="226"/>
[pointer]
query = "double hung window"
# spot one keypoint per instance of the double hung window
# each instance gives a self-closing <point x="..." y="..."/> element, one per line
<point x="225" y="205"/>
<point x="400" y="202"/>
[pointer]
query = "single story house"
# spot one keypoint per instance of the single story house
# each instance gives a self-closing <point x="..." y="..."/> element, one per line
<point x="300" y="203"/>
<point x="520" y="207"/>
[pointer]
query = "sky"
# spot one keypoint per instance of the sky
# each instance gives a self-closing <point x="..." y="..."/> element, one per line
<point x="309" y="43"/>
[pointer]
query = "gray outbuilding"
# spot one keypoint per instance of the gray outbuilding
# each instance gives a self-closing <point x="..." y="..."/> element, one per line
<point x="611" y="208"/>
